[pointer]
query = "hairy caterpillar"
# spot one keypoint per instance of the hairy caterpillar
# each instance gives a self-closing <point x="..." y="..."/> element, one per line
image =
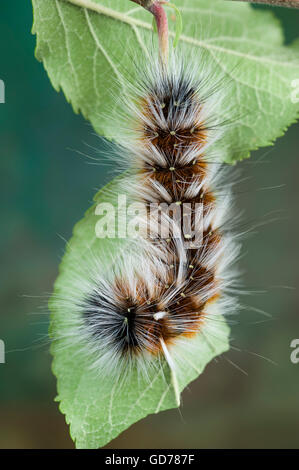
<point x="161" y="290"/>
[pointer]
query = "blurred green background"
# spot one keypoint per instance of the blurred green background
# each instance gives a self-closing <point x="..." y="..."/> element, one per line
<point x="46" y="187"/>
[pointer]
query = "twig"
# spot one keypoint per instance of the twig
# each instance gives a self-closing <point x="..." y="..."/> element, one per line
<point x="144" y="3"/>
<point x="156" y="8"/>
<point x="277" y="3"/>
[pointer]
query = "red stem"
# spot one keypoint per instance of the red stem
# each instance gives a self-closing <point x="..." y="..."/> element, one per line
<point x="156" y="8"/>
<point x="162" y="25"/>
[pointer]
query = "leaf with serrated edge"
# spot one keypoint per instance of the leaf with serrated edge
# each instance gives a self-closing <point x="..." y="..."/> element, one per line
<point x="86" y="50"/>
<point x="99" y="409"/>
<point x="84" y="53"/>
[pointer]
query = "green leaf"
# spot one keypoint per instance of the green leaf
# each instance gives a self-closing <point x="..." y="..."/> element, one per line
<point x="86" y="50"/>
<point x="85" y="46"/>
<point x="96" y="409"/>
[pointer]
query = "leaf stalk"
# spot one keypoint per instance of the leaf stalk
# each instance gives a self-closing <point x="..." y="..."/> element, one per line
<point x="156" y="8"/>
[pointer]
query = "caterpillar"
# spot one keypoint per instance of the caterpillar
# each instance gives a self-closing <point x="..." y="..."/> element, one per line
<point x="162" y="290"/>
